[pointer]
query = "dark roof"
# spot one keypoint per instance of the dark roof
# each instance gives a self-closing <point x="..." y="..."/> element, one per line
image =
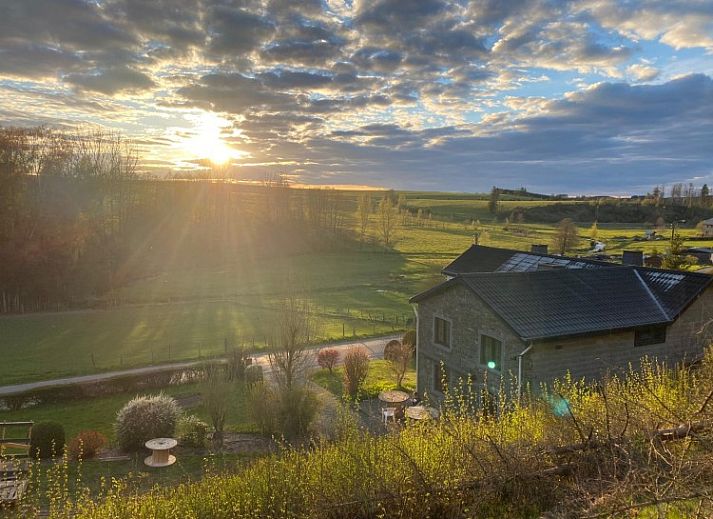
<point x="479" y="258"/>
<point x="545" y="304"/>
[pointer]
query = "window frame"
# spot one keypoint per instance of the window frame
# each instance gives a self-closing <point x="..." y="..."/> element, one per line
<point x="435" y="331"/>
<point x="481" y="353"/>
<point x="658" y="336"/>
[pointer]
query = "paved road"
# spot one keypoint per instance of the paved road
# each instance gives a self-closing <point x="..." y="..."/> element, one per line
<point x="374" y="346"/>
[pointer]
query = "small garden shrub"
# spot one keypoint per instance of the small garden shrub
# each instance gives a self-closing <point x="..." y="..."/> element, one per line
<point x="86" y="445"/>
<point x="46" y="440"/>
<point x="356" y="368"/>
<point x="144" y="418"/>
<point x="192" y="431"/>
<point x="391" y="350"/>
<point x="409" y="338"/>
<point x="253" y="374"/>
<point x="327" y="358"/>
<point x="284" y="412"/>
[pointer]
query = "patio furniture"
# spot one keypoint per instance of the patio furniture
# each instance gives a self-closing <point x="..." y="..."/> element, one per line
<point x="394" y="398"/>
<point x="11" y="490"/>
<point x="388" y="412"/>
<point x="19" y="442"/>
<point x="421" y="413"/>
<point x="160" y="456"/>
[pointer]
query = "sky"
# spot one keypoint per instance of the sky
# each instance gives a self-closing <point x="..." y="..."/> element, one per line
<point x="571" y="96"/>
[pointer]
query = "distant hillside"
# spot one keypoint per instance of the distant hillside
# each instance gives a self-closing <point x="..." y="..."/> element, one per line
<point x="620" y="211"/>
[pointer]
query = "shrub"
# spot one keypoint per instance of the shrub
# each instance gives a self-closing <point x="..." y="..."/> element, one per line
<point x="86" y="445"/>
<point x="253" y="374"/>
<point x="192" y="431"/>
<point x="46" y="440"/>
<point x="328" y="358"/>
<point x="215" y="391"/>
<point x="144" y="418"/>
<point x="287" y="412"/>
<point x="356" y="368"/>
<point x="399" y="361"/>
<point x="391" y="350"/>
<point x="409" y="338"/>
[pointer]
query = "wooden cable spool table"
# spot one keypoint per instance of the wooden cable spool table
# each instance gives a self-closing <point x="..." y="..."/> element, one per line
<point x="160" y="456"/>
<point x="420" y="413"/>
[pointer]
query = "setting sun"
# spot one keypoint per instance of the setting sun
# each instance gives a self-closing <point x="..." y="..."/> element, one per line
<point x="206" y="140"/>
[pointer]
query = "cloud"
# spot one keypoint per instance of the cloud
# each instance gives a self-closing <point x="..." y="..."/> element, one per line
<point x="643" y="72"/>
<point x="113" y="80"/>
<point x="383" y="89"/>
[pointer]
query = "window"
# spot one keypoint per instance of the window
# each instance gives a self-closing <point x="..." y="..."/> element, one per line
<point x="442" y="332"/>
<point x="490" y="352"/>
<point x="650" y="335"/>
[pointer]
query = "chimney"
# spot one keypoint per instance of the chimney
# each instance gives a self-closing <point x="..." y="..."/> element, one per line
<point x="539" y="248"/>
<point x="633" y="257"/>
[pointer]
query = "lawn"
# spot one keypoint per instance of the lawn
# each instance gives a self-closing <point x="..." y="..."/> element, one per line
<point x="99" y="413"/>
<point x="380" y="378"/>
<point x="187" y="313"/>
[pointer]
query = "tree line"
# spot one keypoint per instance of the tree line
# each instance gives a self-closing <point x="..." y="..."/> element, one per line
<point x="78" y="221"/>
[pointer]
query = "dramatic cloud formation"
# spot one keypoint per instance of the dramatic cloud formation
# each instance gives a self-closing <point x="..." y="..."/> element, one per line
<point x="566" y="96"/>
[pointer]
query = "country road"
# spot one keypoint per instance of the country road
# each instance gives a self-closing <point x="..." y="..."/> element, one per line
<point x="375" y="347"/>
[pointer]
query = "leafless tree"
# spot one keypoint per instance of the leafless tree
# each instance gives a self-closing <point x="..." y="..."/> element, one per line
<point x="387" y="220"/>
<point x="289" y="355"/>
<point x="566" y="236"/>
<point x="363" y="212"/>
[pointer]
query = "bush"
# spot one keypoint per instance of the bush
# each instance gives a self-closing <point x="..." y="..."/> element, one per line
<point x="144" y="418"/>
<point x="391" y="350"/>
<point x="253" y="374"/>
<point x="356" y="368"/>
<point x="192" y="431"/>
<point x="409" y="338"/>
<point x="328" y="358"/>
<point x="284" y="412"/>
<point x="46" y="440"/>
<point x="86" y="445"/>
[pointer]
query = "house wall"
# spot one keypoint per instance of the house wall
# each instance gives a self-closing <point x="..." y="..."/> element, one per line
<point x="470" y="318"/>
<point x="589" y="357"/>
<point x="707" y="229"/>
<point x="594" y="356"/>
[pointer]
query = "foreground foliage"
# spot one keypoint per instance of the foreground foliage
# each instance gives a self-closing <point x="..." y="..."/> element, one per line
<point x="579" y="451"/>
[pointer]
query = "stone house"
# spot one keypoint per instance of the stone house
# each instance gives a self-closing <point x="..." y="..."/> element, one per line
<point x="525" y="319"/>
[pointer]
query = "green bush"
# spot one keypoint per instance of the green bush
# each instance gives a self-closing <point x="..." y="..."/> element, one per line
<point x="192" y="431"/>
<point x="284" y="412"/>
<point x="46" y="440"/>
<point x="144" y="418"/>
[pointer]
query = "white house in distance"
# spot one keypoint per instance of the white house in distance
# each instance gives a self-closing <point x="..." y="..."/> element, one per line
<point x="707" y="227"/>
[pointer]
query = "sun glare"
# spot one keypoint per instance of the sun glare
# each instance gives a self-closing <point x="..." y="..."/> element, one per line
<point x="206" y="141"/>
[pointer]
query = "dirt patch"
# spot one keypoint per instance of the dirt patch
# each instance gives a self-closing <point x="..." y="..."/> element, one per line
<point x="243" y="443"/>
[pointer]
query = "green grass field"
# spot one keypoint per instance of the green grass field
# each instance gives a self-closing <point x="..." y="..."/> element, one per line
<point x="190" y="312"/>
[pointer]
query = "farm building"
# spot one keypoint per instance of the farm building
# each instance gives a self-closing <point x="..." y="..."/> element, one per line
<point x="707" y="227"/>
<point x="527" y="318"/>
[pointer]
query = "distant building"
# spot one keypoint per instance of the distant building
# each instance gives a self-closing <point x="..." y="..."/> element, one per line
<point x="529" y="317"/>
<point x="707" y="227"/>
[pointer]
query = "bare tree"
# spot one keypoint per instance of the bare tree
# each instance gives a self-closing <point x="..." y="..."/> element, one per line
<point x="387" y="220"/>
<point x="363" y="212"/>
<point x="399" y="358"/>
<point x="289" y="355"/>
<point x="215" y="399"/>
<point x="566" y="236"/>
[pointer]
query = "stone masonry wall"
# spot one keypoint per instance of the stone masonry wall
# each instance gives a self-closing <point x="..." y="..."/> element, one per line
<point x="470" y="318"/>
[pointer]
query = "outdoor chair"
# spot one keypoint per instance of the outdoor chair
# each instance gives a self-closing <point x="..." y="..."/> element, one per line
<point x="388" y="412"/>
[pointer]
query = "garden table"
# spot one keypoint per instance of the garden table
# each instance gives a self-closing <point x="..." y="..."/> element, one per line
<point x="393" y="397"/>
<point x="420" y="412"/>
<point x="160" y="456"/>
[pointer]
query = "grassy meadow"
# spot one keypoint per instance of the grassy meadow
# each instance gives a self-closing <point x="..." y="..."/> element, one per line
<point x="187" y="310"/>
